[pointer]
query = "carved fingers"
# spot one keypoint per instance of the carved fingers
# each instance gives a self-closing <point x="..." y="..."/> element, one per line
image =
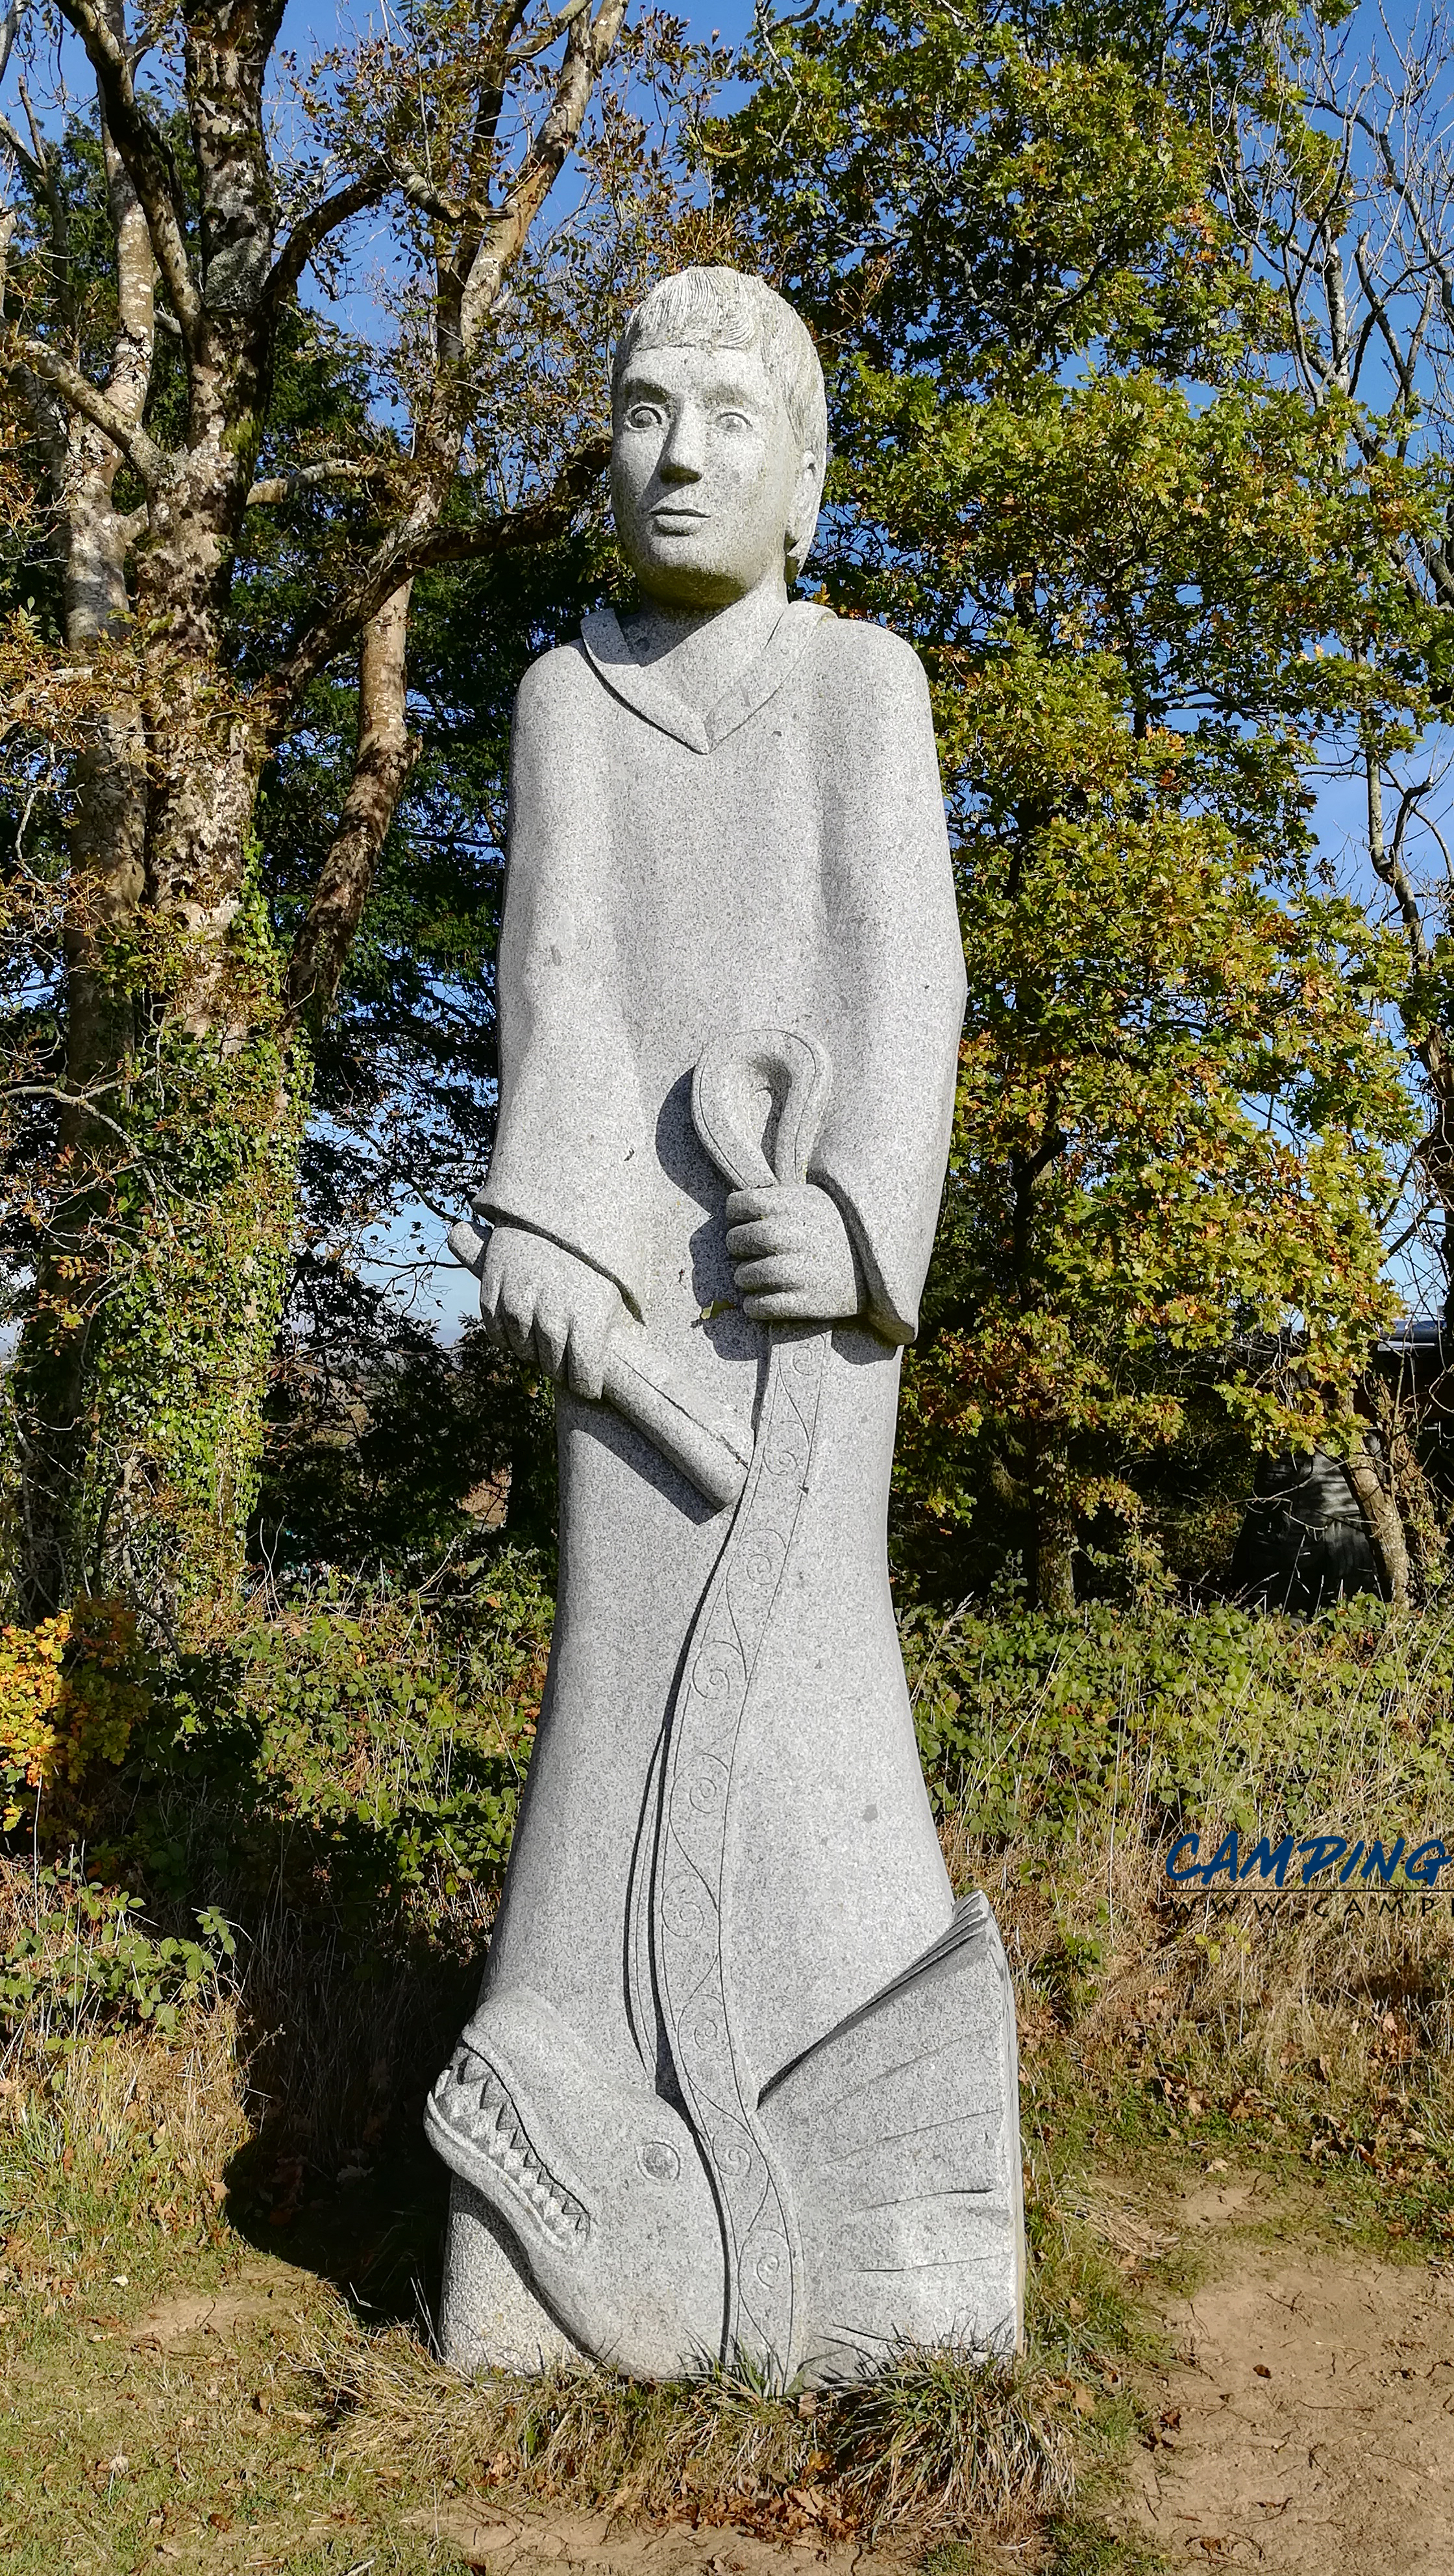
<point x="550" y="1309"/>
<point x="507" y="1292"/>
<point x="791" y="1255"/>
<point x="596" y="1308"/>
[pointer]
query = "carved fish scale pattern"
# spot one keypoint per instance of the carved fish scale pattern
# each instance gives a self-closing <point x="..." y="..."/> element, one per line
<point x="691" y="1925"/>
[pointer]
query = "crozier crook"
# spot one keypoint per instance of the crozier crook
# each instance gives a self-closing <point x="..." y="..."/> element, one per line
<point x="760" y="1085"/>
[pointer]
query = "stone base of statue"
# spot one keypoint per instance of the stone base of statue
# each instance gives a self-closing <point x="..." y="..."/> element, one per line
<point x="584" y="2220"/>
<point x="489" y="2316"/>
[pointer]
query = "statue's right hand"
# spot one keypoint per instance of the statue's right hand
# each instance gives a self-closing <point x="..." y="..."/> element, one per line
<point x="551" y="1309"/>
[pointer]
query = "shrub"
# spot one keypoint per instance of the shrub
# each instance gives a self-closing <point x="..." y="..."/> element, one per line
<point x="1032" y="1724"/>
<point x="357" y="1753"/>
<point x="87" y="1956"/>
<point x="72" y="1689"/>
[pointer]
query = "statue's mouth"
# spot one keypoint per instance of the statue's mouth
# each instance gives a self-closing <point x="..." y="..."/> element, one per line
<point x="673" y="519"/>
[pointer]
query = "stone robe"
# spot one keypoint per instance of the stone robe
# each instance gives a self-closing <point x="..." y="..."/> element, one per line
<point x="782" y="863"/>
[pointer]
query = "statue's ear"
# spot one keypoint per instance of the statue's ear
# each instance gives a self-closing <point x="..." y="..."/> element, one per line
<point x="803" y="523"/>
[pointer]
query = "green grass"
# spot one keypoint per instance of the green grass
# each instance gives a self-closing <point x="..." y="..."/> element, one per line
<point x="139" y="2167"/>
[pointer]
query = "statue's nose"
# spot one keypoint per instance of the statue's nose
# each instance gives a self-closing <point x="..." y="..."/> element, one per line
<point x="683" y="458"/>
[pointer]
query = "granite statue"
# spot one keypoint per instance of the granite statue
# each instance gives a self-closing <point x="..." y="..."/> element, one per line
<point x="741" y="2081"/>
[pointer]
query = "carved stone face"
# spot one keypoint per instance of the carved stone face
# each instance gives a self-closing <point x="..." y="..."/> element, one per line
<point x="707" y="480"/>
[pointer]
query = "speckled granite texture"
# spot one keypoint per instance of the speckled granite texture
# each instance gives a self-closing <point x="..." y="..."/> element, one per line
<point x="741" y="2081"/>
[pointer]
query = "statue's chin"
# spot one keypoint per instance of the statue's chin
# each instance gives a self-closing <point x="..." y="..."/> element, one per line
<point x="671" y="575"/>
<point x="683" y="587"/>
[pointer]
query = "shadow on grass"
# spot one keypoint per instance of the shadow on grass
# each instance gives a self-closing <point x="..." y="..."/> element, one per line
<point x="338" y="2177"/>
<point x="377" y="2236"/>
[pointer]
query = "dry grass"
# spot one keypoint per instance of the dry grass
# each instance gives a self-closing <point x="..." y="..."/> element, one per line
<point x="112" y="2154"/>
<point x="334" y="2060"/>
<point x="1149" y="2030"/>
<point x="1324" y="2008"/>
<point x="930" y="2445"/>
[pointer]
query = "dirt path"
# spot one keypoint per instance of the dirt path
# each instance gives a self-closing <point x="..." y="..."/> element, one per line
<point x="565" y="2544"/>
<point x="1307" y="2421"/>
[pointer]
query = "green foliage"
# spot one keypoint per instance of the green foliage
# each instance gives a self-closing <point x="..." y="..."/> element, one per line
<point x="383" y="1445"/>
<point x="986" y="192"/>
<point x="1145" y="586"/>
<point x="1035" y="1727"/>
<point x="357" y="1756"/>
<point x="92" y="1958"/>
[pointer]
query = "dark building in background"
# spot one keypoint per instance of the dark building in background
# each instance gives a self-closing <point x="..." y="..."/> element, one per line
<point x="1305" y="1541"/>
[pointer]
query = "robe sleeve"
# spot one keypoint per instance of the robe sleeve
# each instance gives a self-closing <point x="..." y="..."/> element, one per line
<point x="896" y="971"/>
<point x="571" y="1140"/>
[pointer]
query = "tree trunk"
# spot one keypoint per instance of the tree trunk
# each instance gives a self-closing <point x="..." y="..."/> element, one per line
<point x="1396" y="1413"/>
<point x="386" y="755"/>
<point x="143" y="1367"/>
<point x="108" y="875"/>
<point x="1054" y="1532"/>
<point x="139" y="1382"/>
<point x="1368" y="1475"/>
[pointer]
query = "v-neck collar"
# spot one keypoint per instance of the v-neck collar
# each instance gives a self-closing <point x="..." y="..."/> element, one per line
<point x="639" y="685"/>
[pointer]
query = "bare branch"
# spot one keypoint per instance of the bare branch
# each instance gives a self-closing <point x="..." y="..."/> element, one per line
<point x="80" y="395"/>
<point x="540" y="44"/>
<point x="1334" y="288"/>
<point x="146" y="154"/>
<point x="1389" y="864"/>
<point x="311" y="231"/>
<point x="80" y="1105"/>
<point x="306" y="478"/>
<point x="407" y="549"/>
<point x="1378" y="317"/>
<point x="588" y="42"/>
<point x="534" y="525"/>
<point x="417" y="190"/>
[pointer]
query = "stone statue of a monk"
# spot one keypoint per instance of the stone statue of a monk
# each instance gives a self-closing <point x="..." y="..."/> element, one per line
<point x="741" y="2082"/>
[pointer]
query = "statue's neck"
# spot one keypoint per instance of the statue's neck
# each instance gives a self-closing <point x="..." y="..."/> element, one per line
<point x="702" y="652"/>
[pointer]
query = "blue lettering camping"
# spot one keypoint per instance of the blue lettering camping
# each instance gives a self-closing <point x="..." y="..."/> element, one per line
<point x="1341" y="1859"/>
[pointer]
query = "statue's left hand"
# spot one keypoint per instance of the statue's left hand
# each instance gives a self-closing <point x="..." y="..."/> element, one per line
<point x="791" y="1255"/>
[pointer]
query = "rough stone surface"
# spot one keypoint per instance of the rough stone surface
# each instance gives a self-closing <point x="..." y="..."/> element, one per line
<point x="741" y="2080"/>
<point x="489" y="2316"/>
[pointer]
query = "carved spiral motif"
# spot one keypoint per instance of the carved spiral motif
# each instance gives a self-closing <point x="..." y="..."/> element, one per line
<point x="683" y="1911"/>
<point x="718" y="1669"/>
<point x="761" y="1562"/>
<point x="732" y="2156"/>
<point x="707" y="1787"/>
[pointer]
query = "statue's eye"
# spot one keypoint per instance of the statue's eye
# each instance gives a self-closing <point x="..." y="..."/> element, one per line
<point x="735" y="419"/>
<point x="644" y="415"/>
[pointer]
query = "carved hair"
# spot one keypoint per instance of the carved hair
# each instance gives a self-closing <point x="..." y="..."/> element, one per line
<point x="720" y="308"/>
